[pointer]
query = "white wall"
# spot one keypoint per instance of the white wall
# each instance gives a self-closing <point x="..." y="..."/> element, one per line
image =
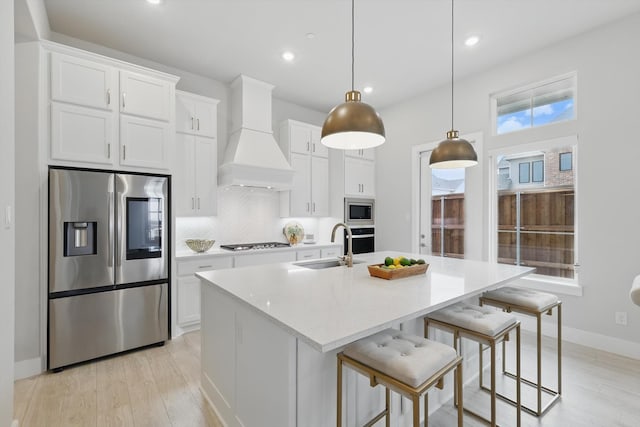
<point x="608" y="67"/>
<point x="7" y="236"/>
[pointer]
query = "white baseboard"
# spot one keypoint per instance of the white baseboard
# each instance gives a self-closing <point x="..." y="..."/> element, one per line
<point x="27" y="368"/>
<point x="588" y="339"/>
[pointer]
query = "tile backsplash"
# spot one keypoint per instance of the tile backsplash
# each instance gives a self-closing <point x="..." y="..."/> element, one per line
<point x="247" y="215"/>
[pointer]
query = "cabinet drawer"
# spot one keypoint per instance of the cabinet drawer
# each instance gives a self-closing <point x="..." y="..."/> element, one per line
<point x="331" y="252"/>
<point x="190" y="267"/>
<point x="308" y="254"/>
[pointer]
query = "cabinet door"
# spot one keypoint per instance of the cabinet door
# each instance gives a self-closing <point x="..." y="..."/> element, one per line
<point x="366" y="153"/>
<point x="143" y="142"/>
<point x="308" y="254"/>
<point x="206" y="118"/>
<point x="184" y="177"/>
<point x="82" y="134"/>
<point x="319" y="186"/>
<point x="83" y="82"/>
<point x="299" y="138"/>
<point x="331" y="252"/>
<point x="299" y="198"/>
<point x="185" y="114"/>
<point x="144" y="96"/>
<point x="188" y="300"/>
<point x="359" y="177"/>
<point x="206" y="176"/>
<point x="264" y="258"/>
<point x="317" y="149"/>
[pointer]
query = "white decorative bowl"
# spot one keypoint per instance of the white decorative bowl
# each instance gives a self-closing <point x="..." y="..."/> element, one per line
<point x="199" y="245"/>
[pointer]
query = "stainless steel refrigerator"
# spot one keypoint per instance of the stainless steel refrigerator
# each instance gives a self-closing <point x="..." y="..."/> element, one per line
<point x="108" y="263"/>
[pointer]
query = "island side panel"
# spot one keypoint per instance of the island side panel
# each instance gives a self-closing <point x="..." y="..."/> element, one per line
<point x="249" y="364"/>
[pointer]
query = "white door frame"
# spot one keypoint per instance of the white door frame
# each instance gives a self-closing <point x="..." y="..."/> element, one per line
<point x="473" y="180"/>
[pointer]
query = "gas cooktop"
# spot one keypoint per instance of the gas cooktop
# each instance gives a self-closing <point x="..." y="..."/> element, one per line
<point x="247" y="246"/>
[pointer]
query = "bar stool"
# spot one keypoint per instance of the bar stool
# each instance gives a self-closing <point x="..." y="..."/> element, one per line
<point x="407" y="364"/>
<point x="487" y="327"/>
<point x="533" y="303"/>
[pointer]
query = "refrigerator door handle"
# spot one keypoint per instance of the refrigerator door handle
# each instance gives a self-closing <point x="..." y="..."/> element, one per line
<point x="110" y="216"/>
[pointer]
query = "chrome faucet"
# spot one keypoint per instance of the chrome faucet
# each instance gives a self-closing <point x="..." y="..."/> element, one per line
<point x="349" y="257"/>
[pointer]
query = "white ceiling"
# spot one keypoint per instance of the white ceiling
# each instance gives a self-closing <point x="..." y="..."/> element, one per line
<point x="402" y="46"/>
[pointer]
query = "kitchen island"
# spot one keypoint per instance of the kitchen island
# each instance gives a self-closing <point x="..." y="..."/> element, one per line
<point x="270" y="333"/>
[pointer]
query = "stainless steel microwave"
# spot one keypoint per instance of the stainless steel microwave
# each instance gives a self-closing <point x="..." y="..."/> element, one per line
<point x="359" y="211"/>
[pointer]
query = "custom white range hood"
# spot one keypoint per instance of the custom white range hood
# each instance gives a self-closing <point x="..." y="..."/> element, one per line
<point x="253" y="157"/>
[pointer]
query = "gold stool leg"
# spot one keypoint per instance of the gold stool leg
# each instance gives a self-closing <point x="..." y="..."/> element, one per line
<point x="458" y="387"/>
<point x="426" y="409"/>
<point x="339" y="402"/>
<point x="387" y="399"/>
<point x="416" y="411"/>
<point x="518" y="395"/>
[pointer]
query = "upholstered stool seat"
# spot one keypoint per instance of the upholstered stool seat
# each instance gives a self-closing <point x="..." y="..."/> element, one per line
<point x="404" y="363"/>
<point x="487" y="326"/>
<point x="532" y="303"/>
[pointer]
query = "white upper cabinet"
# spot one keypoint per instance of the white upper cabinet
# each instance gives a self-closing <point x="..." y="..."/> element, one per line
<point x="304" y="138"/>
<point x="82" y="82"/>
<point x="108" y="112"/>
<point x="82" y="134"/>
<point x="309" y="195"/>
<point x="144" y="143"/>
<point x="359" y="177"/>
<point x="144" y="96"/>
<point x="196" y="114"/>
<point x="196" y="174"/>
<point x="363" y="153"/>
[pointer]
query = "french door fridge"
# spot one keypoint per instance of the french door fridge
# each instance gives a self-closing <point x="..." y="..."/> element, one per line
<point x="108" y="263"/>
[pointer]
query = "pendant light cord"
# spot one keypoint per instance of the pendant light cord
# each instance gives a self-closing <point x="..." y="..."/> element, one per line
<point x="353" y="45"/>
<point x="451" y="64"/>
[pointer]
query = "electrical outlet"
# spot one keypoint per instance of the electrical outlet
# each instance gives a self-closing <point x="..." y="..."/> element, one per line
<point x="621" y="318"/>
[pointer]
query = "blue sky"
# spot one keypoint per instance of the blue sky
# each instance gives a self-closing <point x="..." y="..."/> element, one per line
<point x="542" y="115"/>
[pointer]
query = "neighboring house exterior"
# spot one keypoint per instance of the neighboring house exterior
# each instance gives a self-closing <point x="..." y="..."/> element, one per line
<point x="534" y="170"/>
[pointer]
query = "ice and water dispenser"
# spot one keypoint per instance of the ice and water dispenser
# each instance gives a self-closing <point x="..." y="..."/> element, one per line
<point x="80" y="238"/>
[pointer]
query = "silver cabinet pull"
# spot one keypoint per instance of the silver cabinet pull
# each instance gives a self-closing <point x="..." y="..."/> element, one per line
<point x="124" y="152"/>
<point x="108" y="151"/>
<point x="108" y="96"/>
<point x="198" y="203"/>
<point x="191" y="123"/>
<point x="314" y="206"/>
<point x="193" y="203"/>
<point x="197" y="124"/>
<point x="124" y="95"/>
<point x="205" y="266"/>
<point x="307" y="145"/>
<point x="307" y="206"/>
<point x="313" y="149"/>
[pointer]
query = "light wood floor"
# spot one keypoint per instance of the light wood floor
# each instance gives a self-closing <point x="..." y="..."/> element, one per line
<point x="160" y="387"/>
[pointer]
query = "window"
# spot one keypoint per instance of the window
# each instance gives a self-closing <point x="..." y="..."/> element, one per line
<point x="535" y="223"/>
<point x="538" y="171"/>
<point x="566" y="160"/>
<point x="535" y="105"/>
<point x="524" y="172"/>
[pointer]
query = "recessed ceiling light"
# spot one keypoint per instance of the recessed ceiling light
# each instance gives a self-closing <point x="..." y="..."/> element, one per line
<point x="154" y="1"/>
<point x="471" y="41"/>
<point x="310" y="35"/>
<point x="288" y="56"/>
<point x="367" y="89"/>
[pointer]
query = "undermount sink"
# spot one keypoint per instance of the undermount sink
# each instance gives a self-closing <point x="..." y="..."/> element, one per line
<point x="324" y="263"/>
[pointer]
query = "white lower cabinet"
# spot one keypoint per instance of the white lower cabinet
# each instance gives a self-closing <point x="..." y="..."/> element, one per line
<point x="308" y="254"/>
<point x="264" y="258"/>
<point x="333" y="251"/>
<point x="188" y="293"/>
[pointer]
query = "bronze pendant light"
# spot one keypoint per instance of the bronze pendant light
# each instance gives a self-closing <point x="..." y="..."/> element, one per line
<point x="353" y="124"/>
<point x="453" y="152"/>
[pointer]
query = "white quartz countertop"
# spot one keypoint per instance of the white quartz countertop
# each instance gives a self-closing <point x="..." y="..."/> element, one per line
<point x="217" y="252"/>
<point x="332" y="307"/>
